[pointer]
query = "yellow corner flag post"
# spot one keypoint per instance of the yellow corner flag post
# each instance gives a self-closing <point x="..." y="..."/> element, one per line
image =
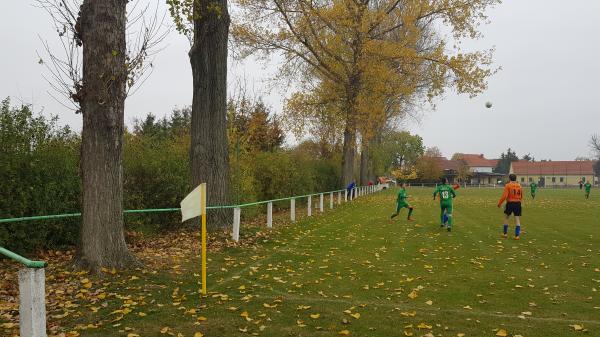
<point x="189" y="210"/>
<point x="203" y="210"/>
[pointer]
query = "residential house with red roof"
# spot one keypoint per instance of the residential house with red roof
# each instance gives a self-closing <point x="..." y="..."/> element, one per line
<point x="481" y="169"/>
<point x="450" y="168"/>
<point x="554" y="173"/>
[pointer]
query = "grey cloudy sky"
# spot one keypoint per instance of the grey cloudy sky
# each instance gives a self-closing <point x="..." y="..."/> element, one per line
<point x="544" y="98"/>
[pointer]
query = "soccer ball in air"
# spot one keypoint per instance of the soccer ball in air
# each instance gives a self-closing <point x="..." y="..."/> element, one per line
<point x="488" y="105"/>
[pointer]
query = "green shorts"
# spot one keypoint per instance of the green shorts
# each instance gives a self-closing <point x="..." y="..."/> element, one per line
<point x="446" y="207"/>
<point x="402" y="204"/>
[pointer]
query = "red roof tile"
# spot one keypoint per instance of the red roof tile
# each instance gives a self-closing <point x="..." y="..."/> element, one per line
<point x="477" y="160"/>
<point x="446" y="164"/>
<point x="553" y="168"/>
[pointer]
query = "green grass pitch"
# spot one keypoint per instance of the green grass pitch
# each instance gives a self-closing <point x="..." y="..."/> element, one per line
<point x="353" y="271"/>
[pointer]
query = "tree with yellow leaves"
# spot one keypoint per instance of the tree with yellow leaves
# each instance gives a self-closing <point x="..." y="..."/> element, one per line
<point x="340" y="42"/>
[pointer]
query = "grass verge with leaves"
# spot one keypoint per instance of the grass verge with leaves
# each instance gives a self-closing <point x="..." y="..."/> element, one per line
<point x="351" y="271"/>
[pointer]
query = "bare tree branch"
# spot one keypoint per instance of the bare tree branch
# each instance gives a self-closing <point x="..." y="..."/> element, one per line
<point x="595" y="145"/>
<point x="146" y="30"/>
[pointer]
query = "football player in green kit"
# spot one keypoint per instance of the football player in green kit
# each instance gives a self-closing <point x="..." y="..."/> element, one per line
<point x="402" y="203"/>
<point x="446" y="193"/>
<point x="533" y="187"/>
<point x="588" y="188"/>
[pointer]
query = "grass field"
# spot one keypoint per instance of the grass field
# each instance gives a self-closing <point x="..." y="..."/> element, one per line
<point x="354" y="271"/>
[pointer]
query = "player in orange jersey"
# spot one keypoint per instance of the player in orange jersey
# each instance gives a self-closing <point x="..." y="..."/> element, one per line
<point x="513" y="195"/>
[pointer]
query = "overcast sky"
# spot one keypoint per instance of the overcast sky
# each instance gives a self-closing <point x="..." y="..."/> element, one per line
<point x="544" y="98"/>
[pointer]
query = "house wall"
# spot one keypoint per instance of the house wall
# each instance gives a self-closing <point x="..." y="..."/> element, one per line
<point x="487" y="180"/>
<point x="481" y="169"/>
<point x="570" y="180"/>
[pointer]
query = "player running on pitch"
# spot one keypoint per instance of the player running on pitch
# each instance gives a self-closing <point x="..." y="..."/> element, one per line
<point x="446" y="193"/>
<point x="588" y="188"/>
<point x="533" y="187"/>
<point x="402" y="203"/>
<point x="513" y="195"/>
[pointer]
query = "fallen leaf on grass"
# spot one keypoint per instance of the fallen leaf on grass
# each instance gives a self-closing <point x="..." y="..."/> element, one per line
<point x="501" y="333"/>
<point x="576" y="327"/>
<point x="344" y="332"/>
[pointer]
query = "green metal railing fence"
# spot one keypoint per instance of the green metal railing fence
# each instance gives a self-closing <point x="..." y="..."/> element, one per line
<point x="42" y="264"/>
<point x="25" y="261"/>
<point x="157" y="210"/>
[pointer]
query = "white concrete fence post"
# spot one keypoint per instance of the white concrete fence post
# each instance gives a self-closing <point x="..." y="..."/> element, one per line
<point x="270" y="215"/>
<point x="293" y="209"/>
<point x="339" y="197"/>
<point x="32" y="302"/>
<point x="345" y="195"/>
<point x="309" y="204"/>
<point x="321" y="202"/>
<point x="331" y="200"/>
<point x="236" y="224"/>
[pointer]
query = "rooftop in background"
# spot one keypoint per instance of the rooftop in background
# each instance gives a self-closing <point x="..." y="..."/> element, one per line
<point x="553" y="167"/>
<point x="446" y="164"/>
<point x="477" y="160"/>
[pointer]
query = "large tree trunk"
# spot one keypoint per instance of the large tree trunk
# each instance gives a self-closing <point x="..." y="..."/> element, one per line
<point x="348" y="152"/>
<point x="208" y="152"/>
<point x="101" y="27"/>
<point x="364" y="163"/>
<point x="349" y="146"/>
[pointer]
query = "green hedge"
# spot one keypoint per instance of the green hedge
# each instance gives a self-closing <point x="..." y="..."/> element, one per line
<point x="39" y="171"/>
<point x="39" y="175"/>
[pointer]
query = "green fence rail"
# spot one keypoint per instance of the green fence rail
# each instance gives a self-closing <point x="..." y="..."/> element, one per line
<point x="157" y="210"/>
<point x="41" y="264"/>
<point x="25" y="261"/>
